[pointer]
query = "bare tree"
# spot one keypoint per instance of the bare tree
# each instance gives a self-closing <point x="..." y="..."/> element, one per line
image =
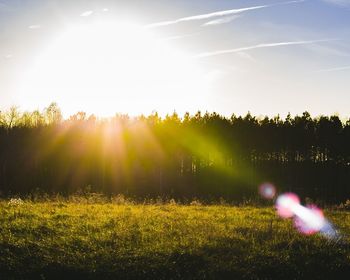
<point x="10" y="118"/>
<point x="53" y="114"/>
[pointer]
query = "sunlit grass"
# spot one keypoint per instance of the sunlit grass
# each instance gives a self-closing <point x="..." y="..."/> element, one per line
<point x="163" y="241"/>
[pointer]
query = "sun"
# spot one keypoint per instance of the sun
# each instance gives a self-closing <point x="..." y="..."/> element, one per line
<point x="109" y="67"/>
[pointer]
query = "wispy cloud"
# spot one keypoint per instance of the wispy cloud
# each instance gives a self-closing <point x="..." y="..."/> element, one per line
<point x="34" y="26"/>
<point x="205" y="16"/>
<point x="87" y="13"/>
<point x="335" y="69"/>
<point x="217" y="14"/>
<point x="259" y="46"/>
<point x="327" y="50"/>
<point x="345" y="3"/>
<point x="221" y="20"/>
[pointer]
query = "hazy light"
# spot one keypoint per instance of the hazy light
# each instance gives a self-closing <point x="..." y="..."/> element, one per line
<point x="286" y="203"/>
<point x="308" y="220"/>
<point x="109" y="67"/>
<point x="87" y="13"/>
<point x="267" y="190"/>
<point x="34" y="26"/>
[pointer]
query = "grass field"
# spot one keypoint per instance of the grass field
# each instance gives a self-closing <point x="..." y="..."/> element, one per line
<point x="62" y="239"/>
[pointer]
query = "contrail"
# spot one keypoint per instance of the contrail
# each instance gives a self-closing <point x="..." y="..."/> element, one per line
<point x="333" y="69"/>
<point x="218" y="14"/>
<point x="221" y="20"/>
<point x="259" y="46"/>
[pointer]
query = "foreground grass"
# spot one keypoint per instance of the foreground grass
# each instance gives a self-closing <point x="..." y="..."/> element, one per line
<point x="53" y="240"/>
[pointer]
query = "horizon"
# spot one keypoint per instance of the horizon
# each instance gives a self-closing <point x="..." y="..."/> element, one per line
<point x="20" y="116"/>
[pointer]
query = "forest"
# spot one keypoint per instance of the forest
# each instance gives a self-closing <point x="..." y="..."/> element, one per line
<point x="205" y="155"/>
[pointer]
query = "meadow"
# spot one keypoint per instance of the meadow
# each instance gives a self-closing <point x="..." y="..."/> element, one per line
<point x="99" y="238"/>
<point x="167" y="139"/>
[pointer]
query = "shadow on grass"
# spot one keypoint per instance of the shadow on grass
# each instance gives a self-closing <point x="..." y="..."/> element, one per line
<point x="228" y="259"/>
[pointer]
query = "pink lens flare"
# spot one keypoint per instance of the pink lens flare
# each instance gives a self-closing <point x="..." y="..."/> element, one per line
<point x="307" y="220"/>
<point x="267" y="190"/>
<point x="310" y="220"/>
<point x="286" y="203"/>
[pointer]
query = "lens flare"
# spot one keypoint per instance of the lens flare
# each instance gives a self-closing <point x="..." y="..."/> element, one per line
<point x="329" y="231"/>
<point x="310" y="219"/>
<point x="267" y="190"/>
<point x="286" y="203"/>
<point x="307" y="220"/>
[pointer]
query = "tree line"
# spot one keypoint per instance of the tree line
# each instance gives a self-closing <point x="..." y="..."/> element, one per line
<point x="204" y="155"/>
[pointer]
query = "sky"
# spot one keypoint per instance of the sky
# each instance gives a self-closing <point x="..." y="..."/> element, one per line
<point x="227" y="56"/>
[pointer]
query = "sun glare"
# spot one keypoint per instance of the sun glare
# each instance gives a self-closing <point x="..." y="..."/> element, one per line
<point x="109" y="67"/>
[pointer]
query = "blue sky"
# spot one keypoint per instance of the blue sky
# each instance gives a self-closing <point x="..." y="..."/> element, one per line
<point x="270" y="57"/>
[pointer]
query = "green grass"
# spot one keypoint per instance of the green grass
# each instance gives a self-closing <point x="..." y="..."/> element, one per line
<point x="98" y="240"/>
